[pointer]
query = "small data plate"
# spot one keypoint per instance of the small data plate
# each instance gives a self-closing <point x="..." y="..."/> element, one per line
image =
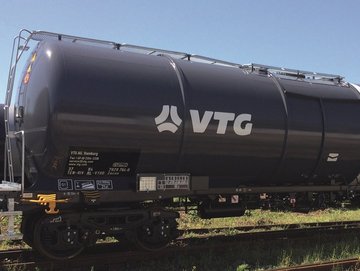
<point x="174" y="182"/>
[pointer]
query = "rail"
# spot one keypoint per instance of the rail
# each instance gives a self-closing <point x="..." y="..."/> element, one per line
<point x="311" y="225"/>
<point x="344" y="264"/>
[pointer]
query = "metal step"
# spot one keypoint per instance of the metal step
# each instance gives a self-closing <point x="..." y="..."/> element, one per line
<point x="9" y="186"/>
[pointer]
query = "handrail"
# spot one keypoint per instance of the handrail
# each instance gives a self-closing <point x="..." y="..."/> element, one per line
<point x="300" y="74"/>
<point x="22" y="133"/>
<point x="276" y="71"/>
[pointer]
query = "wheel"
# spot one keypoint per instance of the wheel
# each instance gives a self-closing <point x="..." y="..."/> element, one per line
<point x="27" y="228"/>
<point x="125" y="242"/>
<point x="156" y="234"/>
<point x="58" y="239"/>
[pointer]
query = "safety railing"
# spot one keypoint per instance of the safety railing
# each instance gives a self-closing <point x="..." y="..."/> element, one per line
<point x="276" y="71"/>
<point x="295" y="74"/>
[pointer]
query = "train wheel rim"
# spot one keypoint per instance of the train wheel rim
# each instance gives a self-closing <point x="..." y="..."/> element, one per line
<point x="58" y="240"/>
<point x="156" y="234"/>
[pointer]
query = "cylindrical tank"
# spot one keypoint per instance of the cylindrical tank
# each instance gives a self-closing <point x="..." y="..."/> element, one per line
<point x="92" y="111"/>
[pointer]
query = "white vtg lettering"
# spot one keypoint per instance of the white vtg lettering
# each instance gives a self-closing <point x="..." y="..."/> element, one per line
<point x="223" y="118"/>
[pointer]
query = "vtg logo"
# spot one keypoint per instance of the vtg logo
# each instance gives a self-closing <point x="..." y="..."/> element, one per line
<point x="164" y="115"/>
<point x="241" y="124"/>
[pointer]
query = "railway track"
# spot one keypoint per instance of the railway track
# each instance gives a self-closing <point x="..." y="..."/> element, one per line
<point x="318" y="225"/>
<point x="353" y="263"/>
<point x="115" y="253"/>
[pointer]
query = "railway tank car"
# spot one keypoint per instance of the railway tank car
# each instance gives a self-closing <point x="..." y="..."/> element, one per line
<point x="105" y="135"/>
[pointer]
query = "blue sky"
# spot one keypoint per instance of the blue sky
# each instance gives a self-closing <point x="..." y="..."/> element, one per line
<point x="316" y="35"/>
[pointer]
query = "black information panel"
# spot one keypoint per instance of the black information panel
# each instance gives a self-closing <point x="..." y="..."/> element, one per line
<point x="96" y="163"/>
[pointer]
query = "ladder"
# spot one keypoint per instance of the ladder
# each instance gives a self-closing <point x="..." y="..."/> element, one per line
<point x="10" y="190"/>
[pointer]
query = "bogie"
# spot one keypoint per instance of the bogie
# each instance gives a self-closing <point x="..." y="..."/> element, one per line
<point x="67" y="235"/>
<point x="58" y="239"/>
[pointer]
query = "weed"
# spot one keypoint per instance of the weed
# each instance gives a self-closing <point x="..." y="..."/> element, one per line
<point x="243" y="267"/>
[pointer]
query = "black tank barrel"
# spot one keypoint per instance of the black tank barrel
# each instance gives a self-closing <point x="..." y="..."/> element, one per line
<point x="93" y="112"/>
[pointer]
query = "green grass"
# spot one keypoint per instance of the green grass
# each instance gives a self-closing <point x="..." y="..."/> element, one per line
<point x="257" y="255"/>
<point x="260" y="217"/>
<point x="16" y="244"/>
<point x="254" y="255"/>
